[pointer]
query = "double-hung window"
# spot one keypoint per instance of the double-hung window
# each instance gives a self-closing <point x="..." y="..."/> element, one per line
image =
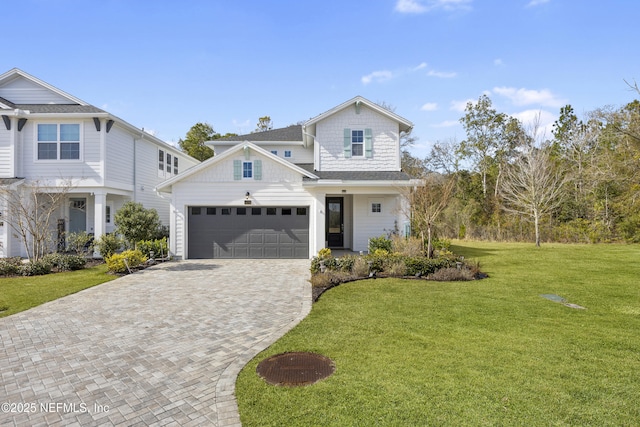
<point x="357" y="143"/>
<point x="58" y="141"/>
<point x="247" y="170"/>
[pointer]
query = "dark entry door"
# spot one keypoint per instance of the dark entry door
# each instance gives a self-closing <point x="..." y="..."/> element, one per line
<point x="335" y="222"/>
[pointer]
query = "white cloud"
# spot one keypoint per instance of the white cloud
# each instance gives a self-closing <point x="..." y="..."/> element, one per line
<point x="524" y="96"/>
<point x="543" y="119"/>
<point x="446" y="124"/>
<point x="410" y="6"/>
<point x="377" y="76"/>
<point x="534" y="3"/>
<point x="423" y="6"/>
<point x="385" y="75"/>
<point x="442" y="74"/>
<point x="420" y="67"/>
<point x="461" y="105"/>
<point x="429" y="106"/>
<point x="498" y="62"/>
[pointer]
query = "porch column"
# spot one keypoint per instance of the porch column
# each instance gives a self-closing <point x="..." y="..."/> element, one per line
<point x="318" y="222"/>
<point x="99" y="209"/>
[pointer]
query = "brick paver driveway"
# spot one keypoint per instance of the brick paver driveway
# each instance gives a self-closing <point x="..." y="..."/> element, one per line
<point x="159" y="347"/>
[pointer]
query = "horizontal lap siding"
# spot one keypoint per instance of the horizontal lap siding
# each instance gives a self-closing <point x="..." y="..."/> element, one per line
<point x="119" y="157"/>
<point x="6" y="159"/>
<point x="88" y="169"/>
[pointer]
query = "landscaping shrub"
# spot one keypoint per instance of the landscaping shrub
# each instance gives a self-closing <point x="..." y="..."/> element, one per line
<point x="36" y="268"/>
<point x="381" y="242"/>
<point x="116" y="262"/>
<point x="108" y="244"/>
<point x="10" y="266"/>
<point x="80" y="243"/>
<point x="159" y="247"/>
<point x="66" y="262"/>
<point x="451" y="274"/>
<point x="421" y="266"/>
<point x="409" y="246"/>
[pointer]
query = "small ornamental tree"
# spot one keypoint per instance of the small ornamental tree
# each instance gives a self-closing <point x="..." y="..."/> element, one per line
<point x="136" y="223"/>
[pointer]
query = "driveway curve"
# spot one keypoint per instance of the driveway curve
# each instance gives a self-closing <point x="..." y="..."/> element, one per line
<point x="160" y="347"/>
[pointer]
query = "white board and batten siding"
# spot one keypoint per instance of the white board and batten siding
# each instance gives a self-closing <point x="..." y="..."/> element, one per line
<point x="367" y="224"/>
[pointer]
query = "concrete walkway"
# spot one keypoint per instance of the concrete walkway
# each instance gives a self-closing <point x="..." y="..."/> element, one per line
<point x="159" y="347"/>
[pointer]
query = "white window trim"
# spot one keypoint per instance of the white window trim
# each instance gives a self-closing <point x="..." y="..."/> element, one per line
<point x="58" y="160"/>
<point x="359" y="156"/>
<point x="370" y="204"/>
<point x="242" y="170"/>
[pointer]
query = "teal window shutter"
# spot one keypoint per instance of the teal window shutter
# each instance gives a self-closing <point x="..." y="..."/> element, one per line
<point x="237" y="170"/>
<point x="347" y="143"/>
<point x="368" y="143"/>
<point x="257" y="170"/>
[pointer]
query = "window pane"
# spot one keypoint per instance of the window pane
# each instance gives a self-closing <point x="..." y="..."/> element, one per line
<point x="301" y="211"/>
<point x="211" y="211"/>
<point x="175" y="165"/>
<point x="271" y="211"/>
<point x="70" y="150"/>
<point x="256" y="211"/>
<point x="274" y="152"/>
<point x="47" y="133"/>
<point x="357" y="136"/>
<point x="376" y="207"/>
<point x="286" y="211"/>
<point x="70" y="132"/>
<point x="47" y="151"/>
<point x="195" y="211"/>
<point x="226" y="211"/>
<point x="247" y="170"/>
<point x="356" y="150"/>
<point x="241" y="211"/>
<point x="287" y="153"/>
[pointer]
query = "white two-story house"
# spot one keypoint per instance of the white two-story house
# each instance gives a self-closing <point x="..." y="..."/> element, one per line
<point x="50" y="138"/>
<point x="334" y="181"/>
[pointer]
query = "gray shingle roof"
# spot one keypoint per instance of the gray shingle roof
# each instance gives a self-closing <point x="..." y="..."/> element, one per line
<point x="356" y="175"/>
<point x="290" y="133"/>
<point x="56" y="108"/>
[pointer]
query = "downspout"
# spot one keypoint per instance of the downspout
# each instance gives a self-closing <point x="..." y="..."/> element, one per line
<point x="135" y="184"/>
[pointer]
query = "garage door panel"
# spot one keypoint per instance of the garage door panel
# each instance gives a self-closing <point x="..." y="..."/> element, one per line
<point x="248" y="232"/>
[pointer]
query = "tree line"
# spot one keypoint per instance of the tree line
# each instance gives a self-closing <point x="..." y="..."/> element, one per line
<point x="509" y="181"/>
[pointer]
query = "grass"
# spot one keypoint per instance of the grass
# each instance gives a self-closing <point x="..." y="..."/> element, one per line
<point x="490" y="352"/>
<point x="22" y="293"/>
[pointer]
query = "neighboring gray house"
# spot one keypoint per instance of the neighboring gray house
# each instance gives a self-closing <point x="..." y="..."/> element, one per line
<point x="48" y="137"/>
<point x="335" y="181"/>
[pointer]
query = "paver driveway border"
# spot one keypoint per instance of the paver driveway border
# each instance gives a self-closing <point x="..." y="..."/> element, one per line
<point x="159" y="347"/>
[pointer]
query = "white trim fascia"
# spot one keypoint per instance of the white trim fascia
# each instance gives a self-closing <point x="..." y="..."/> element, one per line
<point x="166" y="185"/>
<point x="352" y="101"/>
<point x="18" y="72"/>
<point x="258" y="143"/>
<point x="345" y="183"/>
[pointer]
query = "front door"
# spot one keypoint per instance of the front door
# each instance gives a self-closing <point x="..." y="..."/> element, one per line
<point x="335" y="222"/>
<point x="77" y="215"/>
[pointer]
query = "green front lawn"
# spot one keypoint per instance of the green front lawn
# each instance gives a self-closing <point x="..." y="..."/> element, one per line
<point x="489" y="352"/>
<point x="22" y="293"/>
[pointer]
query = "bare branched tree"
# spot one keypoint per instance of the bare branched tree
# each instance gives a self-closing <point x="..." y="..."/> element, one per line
<point x="532" y="185"/>
<point x="428" y="202"/>
<point x="30" y="208"/>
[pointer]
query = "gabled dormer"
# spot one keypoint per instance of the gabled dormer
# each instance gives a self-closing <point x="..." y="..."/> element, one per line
<point x="357" y="135"/>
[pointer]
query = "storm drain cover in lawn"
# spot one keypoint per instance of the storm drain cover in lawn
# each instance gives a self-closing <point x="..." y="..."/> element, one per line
<point x="561" y="300"/>
<point x="295" y="368"/>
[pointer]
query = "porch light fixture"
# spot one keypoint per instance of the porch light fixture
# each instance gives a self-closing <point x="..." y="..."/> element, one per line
<point x="246" y="196"/>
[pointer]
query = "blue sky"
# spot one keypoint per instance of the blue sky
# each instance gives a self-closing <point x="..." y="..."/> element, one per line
<point x="166" y="65"/>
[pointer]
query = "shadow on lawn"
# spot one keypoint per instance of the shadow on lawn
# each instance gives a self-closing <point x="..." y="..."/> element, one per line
<point x="471" y="252"/>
